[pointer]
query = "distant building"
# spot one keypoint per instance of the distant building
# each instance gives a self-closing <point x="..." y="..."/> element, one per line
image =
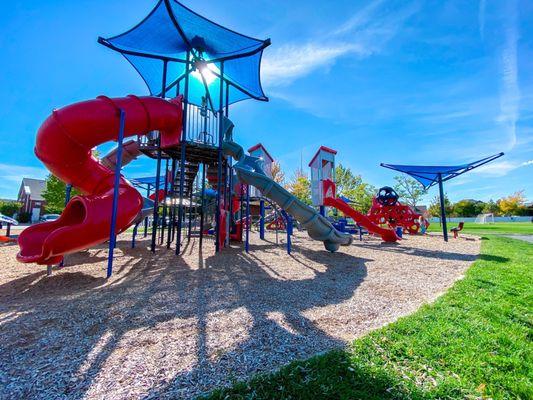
<point x="31" y="196"/>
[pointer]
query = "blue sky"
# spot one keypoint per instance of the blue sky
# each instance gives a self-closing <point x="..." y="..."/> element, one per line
<point x="425" y="82"/>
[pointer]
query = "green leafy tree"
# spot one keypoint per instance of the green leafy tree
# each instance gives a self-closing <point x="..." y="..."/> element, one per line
<point x="9" y="208"/>
<point x="353" y="187"/>
<point x="434" y="207"/>
<point x="409" y="190"/>
<point x="300" y="186"/>
<point x="54" y="194"/>
<point x="490" y="207"/>
<point x="468" y="208"/>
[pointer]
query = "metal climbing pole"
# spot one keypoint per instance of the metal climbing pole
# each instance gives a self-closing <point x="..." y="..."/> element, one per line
<point x="442" y="209"/>
<point x="219" y="166"/>
<point x="182" y="157"/>
<point x="118" y="166"/>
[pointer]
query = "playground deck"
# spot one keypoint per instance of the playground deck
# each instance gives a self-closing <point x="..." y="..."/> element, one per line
<point x="165" y="326"/>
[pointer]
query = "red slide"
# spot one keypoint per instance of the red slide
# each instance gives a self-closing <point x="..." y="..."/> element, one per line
<point x="64" y="144"/>
<point x="388" y="235"/>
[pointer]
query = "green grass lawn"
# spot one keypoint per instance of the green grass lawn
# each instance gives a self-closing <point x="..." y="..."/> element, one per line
<point x="475" y="342"/>
<point x="523" y="228"/>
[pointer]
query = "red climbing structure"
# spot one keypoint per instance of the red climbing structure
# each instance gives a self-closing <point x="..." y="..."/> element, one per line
<point x="387" y="210"/>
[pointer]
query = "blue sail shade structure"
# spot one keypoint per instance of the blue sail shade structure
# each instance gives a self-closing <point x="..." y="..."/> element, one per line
<point x="430" y="175"/>
<point x="173" y="42"/>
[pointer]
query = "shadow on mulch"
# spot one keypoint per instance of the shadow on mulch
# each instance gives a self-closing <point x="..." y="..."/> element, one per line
<point x="76" y="309"/>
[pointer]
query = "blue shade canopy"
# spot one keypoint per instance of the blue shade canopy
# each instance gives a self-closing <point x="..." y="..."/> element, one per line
<point x="170" y="32"/>
<point x="428" y="175"/>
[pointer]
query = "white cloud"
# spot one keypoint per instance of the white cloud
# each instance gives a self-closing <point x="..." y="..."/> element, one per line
<point x="510" y="92"/>
<point x="290" y="61"/>
<point x="501" y="168"/>
<point x="360" y="18"/>
<point x="363" y="34"/>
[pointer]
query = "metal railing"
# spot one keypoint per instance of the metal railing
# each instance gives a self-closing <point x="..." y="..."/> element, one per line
<point x="202" y="128"/>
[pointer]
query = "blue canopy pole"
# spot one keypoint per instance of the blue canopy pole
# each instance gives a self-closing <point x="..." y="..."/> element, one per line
<point x="247" y="219"/>
<point x="219" y="166"/>
<point x="118" y="166"/>
<point x="442" y="209"/>
<point x="202" y="207"/>
<point x="146" y="218"/>
<point x="172" y="208"/>
<point x="164" y="223"/>
<point x="182" y="155"/>
<point x="155" y="219"/>
<point x="262" y="219"/>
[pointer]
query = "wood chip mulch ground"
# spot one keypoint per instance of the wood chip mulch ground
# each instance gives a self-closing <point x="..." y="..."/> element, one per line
<point x="175" y="327"/>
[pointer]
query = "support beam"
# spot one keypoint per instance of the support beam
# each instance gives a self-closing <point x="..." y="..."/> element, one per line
<point x="247" y="219"/>
<point x="118" y="166"/>
<point x="262" y="219"/>
<point x="442" y="210"/>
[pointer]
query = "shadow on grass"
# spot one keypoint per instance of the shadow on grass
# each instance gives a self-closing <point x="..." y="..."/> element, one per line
<point x="493" y="258"/>
<point x="330" y="376"/>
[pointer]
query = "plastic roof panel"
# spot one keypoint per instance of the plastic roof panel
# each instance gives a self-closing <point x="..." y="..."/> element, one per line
<point x="170" y="32"/>
<point x="428" y="175"/>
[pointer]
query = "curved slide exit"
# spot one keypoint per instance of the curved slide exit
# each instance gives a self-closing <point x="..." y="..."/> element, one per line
<point x="318" y="227"/>
<point x="64" y="144"/>
<point x="388" y="235"/>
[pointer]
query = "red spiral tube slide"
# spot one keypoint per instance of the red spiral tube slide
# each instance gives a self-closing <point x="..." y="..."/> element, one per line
<point x="64" y="144"/>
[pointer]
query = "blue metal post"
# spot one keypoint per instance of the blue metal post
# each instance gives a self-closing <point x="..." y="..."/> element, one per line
<point x="219" y="169"/>
<point x="164" y="223"/>
<point x="118" y="166"/>
<point x="146" y="218"/>
<point x="323" y="211"/>
<point x="182" y="156"/>
<point x="247" y="219"/>
<point x="288" y="220"/>
<point x="155" y="218"/>
<point x="442" y="210"/>
<point x="262" y="219"/>
<point x="172" y="217"/>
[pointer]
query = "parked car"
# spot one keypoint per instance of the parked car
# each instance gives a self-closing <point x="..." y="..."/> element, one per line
<point x="48" y="217"/>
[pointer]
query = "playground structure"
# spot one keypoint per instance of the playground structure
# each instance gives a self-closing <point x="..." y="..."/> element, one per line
<point x="387" y="209"/>
<point x="189" y="136"/>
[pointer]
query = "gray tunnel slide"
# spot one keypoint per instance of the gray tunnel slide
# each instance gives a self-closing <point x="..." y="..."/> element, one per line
<point x="249" y="171"/>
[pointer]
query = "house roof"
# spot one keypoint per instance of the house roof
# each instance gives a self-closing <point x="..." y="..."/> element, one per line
<point x="33" y="187"/>
<point x="322" y="148"/>
<point x="260" y="146"/>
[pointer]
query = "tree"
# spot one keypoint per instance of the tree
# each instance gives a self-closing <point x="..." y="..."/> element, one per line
<point x="300" y="186"/>
<point x="434" y="207"/>
<point x="354" y="188"/>
<point x="468" y="208"/>
<point x="513" y="204"/>
<point x="277" y="174"/>
<point x="9" y="208"/>
<point x="54" y="194"/>
<point x="409" y="189"/>
<point x="490" y="207"/>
